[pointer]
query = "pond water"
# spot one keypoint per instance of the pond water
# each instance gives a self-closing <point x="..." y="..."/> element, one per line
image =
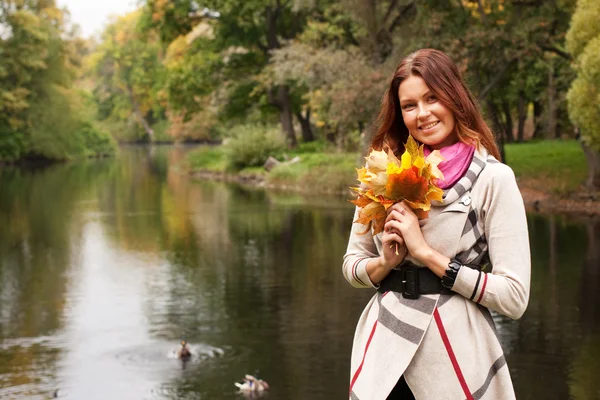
<point x="106" y="265"/>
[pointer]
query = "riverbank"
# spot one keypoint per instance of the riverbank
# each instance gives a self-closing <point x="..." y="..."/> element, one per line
<point x="549" y="174"/>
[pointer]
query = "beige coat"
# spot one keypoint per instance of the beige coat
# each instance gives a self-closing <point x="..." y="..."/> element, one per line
<point x="446" y="344"/>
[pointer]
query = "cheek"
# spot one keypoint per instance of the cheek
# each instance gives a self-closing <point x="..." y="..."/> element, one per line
<point x="446" y="115"/>
<point x="408" y="119"/>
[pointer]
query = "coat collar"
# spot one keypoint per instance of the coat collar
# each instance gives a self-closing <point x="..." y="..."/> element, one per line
<point x="465" y="183"/>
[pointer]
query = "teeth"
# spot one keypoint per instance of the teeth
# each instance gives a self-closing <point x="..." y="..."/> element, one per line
<point x="431" y="125"/>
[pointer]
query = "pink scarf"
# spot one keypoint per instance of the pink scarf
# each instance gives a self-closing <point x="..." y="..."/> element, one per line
<point x="457" y="159"/>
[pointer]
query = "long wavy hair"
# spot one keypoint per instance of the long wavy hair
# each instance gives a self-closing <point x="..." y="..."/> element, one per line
<point x="444" y="80"/>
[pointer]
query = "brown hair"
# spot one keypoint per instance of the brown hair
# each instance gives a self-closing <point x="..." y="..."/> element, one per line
<point x="445" y="81"/>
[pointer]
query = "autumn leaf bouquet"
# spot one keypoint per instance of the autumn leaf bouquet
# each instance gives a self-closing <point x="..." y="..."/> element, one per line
<point x="386" y="180"/>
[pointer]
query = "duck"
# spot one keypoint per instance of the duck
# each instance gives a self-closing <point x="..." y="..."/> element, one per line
<point x="252" y="384"/>
<point x="184" y="352"/>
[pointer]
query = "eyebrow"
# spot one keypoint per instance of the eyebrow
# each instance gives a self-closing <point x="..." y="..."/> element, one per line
<point x="427" y="93"/>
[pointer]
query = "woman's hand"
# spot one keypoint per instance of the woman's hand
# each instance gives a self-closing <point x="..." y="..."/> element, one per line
<point x="394" y="249"/>
<point x="402" y="219"/>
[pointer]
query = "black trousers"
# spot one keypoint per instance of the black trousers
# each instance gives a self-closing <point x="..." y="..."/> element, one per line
<point x="401" y="391"/>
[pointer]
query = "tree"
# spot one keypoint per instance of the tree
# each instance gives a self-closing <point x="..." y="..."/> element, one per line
<point x="583" y="41"/>
<point x="129" y="74"/>
<point x="40" y="113"/>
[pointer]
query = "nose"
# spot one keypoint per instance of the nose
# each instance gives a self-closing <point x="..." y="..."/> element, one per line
<point x="424" y="112"/>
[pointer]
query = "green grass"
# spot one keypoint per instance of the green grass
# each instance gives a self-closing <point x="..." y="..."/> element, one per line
<point x="207" y="158"/>
<point x="326" y="172"/>
<point x="558" y="165"/>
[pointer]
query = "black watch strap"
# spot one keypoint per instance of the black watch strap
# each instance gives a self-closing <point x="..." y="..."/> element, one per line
<point x="451" y="272"/>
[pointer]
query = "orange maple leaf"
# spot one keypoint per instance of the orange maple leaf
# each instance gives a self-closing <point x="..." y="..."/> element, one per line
<point x="361" y="201"/>
<point x="407" y="185"/>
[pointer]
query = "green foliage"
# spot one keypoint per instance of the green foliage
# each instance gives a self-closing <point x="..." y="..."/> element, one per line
<point x="171" y="18"/>
<point x="12" y="144"/>
<point x="129" y="77"/>
<point x="329" y="172"/>
<point x="583" y="40"/>
<point x="251" y="145"/>
<point x="584" y="26"/>
<point x="207" y="158"/>
<point x="96" y="142"/>
<point x="40" y="112"/>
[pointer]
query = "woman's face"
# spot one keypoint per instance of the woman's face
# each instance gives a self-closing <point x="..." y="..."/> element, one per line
<point x="427" y="119"/>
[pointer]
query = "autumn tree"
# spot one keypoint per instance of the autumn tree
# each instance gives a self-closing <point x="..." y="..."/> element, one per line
<point x="129" y="75"/>
<point x="41" y="112"/>
<point x="583" y="40"/>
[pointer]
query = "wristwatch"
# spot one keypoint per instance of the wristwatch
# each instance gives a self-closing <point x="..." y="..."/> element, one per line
<point x="451" y="273"/>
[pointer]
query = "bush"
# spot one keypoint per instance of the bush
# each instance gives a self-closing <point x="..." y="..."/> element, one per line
<point x="207" y="158"/>
<point x="96" y="142"/>
<point x="12" y="144"/>
<point x="319" y="172"/>
<point x="583" y="41"/>
<point x="251" y="145"/>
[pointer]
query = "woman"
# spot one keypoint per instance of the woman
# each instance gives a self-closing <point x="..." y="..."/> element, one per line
<point x="427" y="332"/>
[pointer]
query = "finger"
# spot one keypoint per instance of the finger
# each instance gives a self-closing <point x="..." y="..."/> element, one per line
<point x="407" y="208"/>
<point x="393" y="238"/>
<point x="392" y="226"/>
<point x="396" y="207"/>
<point x="397" y="215"/>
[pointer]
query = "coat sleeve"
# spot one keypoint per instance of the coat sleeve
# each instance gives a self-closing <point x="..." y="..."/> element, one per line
<point x="506" y="288"/>
<point x="361" y="248"/>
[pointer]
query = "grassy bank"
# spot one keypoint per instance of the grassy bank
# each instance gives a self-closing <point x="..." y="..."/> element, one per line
<point x="317" y="170"/>
<point x="554" y="167"/>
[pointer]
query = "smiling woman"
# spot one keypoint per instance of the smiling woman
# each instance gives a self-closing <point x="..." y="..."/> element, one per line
<point x="427" y="333"/>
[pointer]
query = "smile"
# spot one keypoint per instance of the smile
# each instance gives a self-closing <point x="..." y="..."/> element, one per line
<point x="429" y="126"/>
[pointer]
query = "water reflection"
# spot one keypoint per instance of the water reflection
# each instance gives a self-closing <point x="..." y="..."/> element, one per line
<point x="105" y="266"/>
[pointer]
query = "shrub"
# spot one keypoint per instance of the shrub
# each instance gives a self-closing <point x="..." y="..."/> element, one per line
<point x="96" y="142"/>
<point x="583" y="41"/>
<point x="251" y="145"/>
<point x="207" y="158"/>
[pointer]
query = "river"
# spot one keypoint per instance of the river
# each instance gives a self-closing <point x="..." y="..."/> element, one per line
<point x="106" y="265"/>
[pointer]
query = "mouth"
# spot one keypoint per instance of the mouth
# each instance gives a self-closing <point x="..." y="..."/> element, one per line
<point x="428" y="126"/>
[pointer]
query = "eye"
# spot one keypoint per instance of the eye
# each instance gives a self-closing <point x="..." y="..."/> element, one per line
<point x="408" y="106"/>
<point x="431" y="98"/>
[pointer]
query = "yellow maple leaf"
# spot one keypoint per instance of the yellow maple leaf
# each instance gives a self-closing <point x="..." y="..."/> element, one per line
<point x="406" y="160"/>
<point x="377" y="161"/>
<point x="434" y="159"/>
<point x="378" y="183"/>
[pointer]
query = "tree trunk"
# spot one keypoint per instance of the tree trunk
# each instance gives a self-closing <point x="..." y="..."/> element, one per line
<point x="286" y="116"/>
<point x="139" y="115"/>
<point x="509" y="122"/>
<point x="522" y="117"/>
<point x="551" y="117"/>
<point x="307" y="133"/>
<point x="498" y="128"/>
<point x="593" y="161"/>
<point x="283" y="101"/>
<point x="537" y="119"/>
